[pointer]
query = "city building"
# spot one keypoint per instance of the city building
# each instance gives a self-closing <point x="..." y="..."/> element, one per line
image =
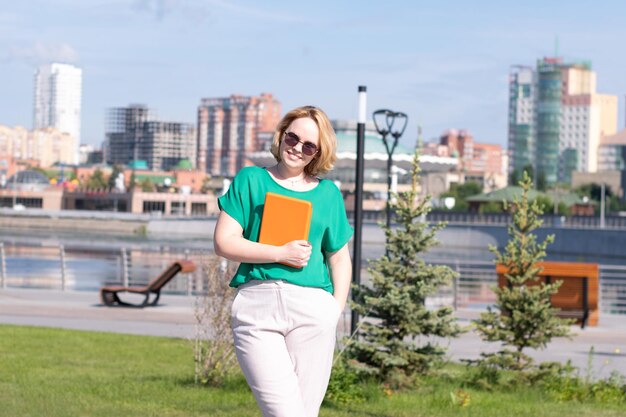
<point x="611" y="165"/>
<point x="31" y="193"/>
<point x="138" y="202"/>
<point x="479" y="162"/>
<point x="614" y="179"/>
<point x="230" y="128"/>
<point x="57" y="101"/>
<point x="181" y="192"/>
<point x="46" y="146"/>
<point x="612" y="152"/>
<point x="13" y="142"/>
<point x="88" y="154"/>
<point x="134" y="133"/>
<point x="435" y="170"/>
<point x="521" y="118"/>
<point x="182" y="176"/>
<point x="556" y="119"/>
<point x="506" y="199"/>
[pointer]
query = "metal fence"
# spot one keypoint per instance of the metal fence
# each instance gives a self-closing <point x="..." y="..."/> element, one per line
<point x="64" y="267"/>
<point x="67" y="267"/>
<point x="549" y="220"/>
<point x="473" y="287"/>
<point x="613" y="289"/>
<point x="502" y="219"/>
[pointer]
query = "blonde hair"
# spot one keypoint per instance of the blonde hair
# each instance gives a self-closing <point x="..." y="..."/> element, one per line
<point x="326" y="156"/>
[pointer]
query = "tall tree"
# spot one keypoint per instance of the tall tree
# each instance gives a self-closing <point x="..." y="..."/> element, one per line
<point x="132" y="182"/>
<point x="117" y="170"/>
<point x="461" y="192"/>
<point x="146" y="185"/>
<point x="97" y="180"/>
<point x="390" y="345"/>
<point x="542" y="182"/>
<point x="523" y="316"/>
<point x="594" y="191"/>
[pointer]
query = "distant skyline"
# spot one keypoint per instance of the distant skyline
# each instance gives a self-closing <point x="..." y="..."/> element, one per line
<point x="446" y="64"/>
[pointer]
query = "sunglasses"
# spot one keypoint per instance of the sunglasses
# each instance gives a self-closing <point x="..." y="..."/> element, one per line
<point x="308" y="148"/>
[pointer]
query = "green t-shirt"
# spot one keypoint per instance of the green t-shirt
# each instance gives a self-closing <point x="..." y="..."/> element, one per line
<point x="329" y="230"/>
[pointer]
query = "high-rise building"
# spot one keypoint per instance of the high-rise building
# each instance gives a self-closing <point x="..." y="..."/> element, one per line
<point x="133" y="133"/>
<point x="556" y="119"/>
<point x="57" y="101"/>
<point x="521" y="118"/>
<point x="45" y="147"/>
<point x="230" y="128"/>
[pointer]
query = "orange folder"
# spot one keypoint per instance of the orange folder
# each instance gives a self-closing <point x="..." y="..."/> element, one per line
<point x="285" y="219"/>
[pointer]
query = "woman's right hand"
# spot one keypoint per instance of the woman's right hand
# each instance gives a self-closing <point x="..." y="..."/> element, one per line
<point x="296" y="252"/>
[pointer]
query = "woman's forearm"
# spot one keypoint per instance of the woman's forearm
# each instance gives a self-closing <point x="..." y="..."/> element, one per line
<point x="229" y="243"/>
<point x="240" y="249"/>
<point x="341" y="273"/>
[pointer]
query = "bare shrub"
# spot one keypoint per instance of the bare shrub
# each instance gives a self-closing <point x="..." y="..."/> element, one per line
<point x="214" y="353"/>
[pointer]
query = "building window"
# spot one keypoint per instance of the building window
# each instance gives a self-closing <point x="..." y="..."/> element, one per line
<point x="178" y="207"/>
<point x="198" y="209"/>
<point x="154" y="206"/>
<point x="26" y="202"/>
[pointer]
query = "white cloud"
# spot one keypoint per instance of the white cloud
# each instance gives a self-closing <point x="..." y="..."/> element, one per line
<point x="258" y="13"/>
<point x="158" y="8"/>
<point x="42" y="53"/>
<point x="200" y="10"/>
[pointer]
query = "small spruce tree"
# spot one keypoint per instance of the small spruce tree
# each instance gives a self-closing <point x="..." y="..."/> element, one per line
<point x="393" y="339"/>
<point x="522" y="316"/>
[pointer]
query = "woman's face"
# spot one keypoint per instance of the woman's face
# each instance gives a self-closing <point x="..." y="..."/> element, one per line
<point x="307" y="133"/>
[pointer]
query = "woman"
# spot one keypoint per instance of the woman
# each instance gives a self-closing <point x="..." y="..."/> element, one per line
<point x="284" y="318"/>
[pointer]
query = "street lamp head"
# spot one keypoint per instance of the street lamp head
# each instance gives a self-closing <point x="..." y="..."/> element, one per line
<point x="389" y="117"/>
<point x="386" y="119"/>
<point x="402" y="120"/>
<point x="383" y="120"/>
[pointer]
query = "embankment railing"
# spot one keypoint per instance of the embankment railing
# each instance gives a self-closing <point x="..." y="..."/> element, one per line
<point x="68" y="267"/>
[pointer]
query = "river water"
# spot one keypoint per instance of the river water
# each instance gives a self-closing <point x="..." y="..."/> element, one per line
<point x="86" y="261"/>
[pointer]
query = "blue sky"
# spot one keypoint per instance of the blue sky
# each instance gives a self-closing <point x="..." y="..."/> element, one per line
<point x="444" y="63"/>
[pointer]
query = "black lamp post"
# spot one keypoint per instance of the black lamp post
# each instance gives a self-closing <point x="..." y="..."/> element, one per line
<point x="358" y="198"/>
<point x="384" y="120"/>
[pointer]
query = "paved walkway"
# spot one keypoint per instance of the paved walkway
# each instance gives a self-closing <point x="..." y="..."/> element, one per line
<point x="174" y="317"/>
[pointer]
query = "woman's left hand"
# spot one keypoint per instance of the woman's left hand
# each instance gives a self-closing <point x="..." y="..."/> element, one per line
<point x="341" y="303"/>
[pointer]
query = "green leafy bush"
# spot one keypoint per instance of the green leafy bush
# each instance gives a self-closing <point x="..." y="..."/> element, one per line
<point x="571" y="387"/>
<point x="344" y="386"/>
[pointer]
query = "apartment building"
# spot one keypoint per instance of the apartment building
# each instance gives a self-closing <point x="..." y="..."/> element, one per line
<point x="232" y="127"/>
<point x="556" y="118"/>
<point x="134" y="133"/>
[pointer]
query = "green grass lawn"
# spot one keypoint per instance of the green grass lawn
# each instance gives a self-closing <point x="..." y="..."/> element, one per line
<point x="52" y="372"/>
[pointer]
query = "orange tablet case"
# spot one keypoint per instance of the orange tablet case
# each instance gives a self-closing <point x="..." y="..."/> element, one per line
<point x="285" y="219"/>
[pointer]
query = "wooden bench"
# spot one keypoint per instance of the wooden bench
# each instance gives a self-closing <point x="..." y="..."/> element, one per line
<point x="110" y="295"/>
<point x="577" y="297"/>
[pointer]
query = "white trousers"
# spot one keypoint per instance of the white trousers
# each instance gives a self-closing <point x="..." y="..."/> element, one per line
<point x="285" y="339"/>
